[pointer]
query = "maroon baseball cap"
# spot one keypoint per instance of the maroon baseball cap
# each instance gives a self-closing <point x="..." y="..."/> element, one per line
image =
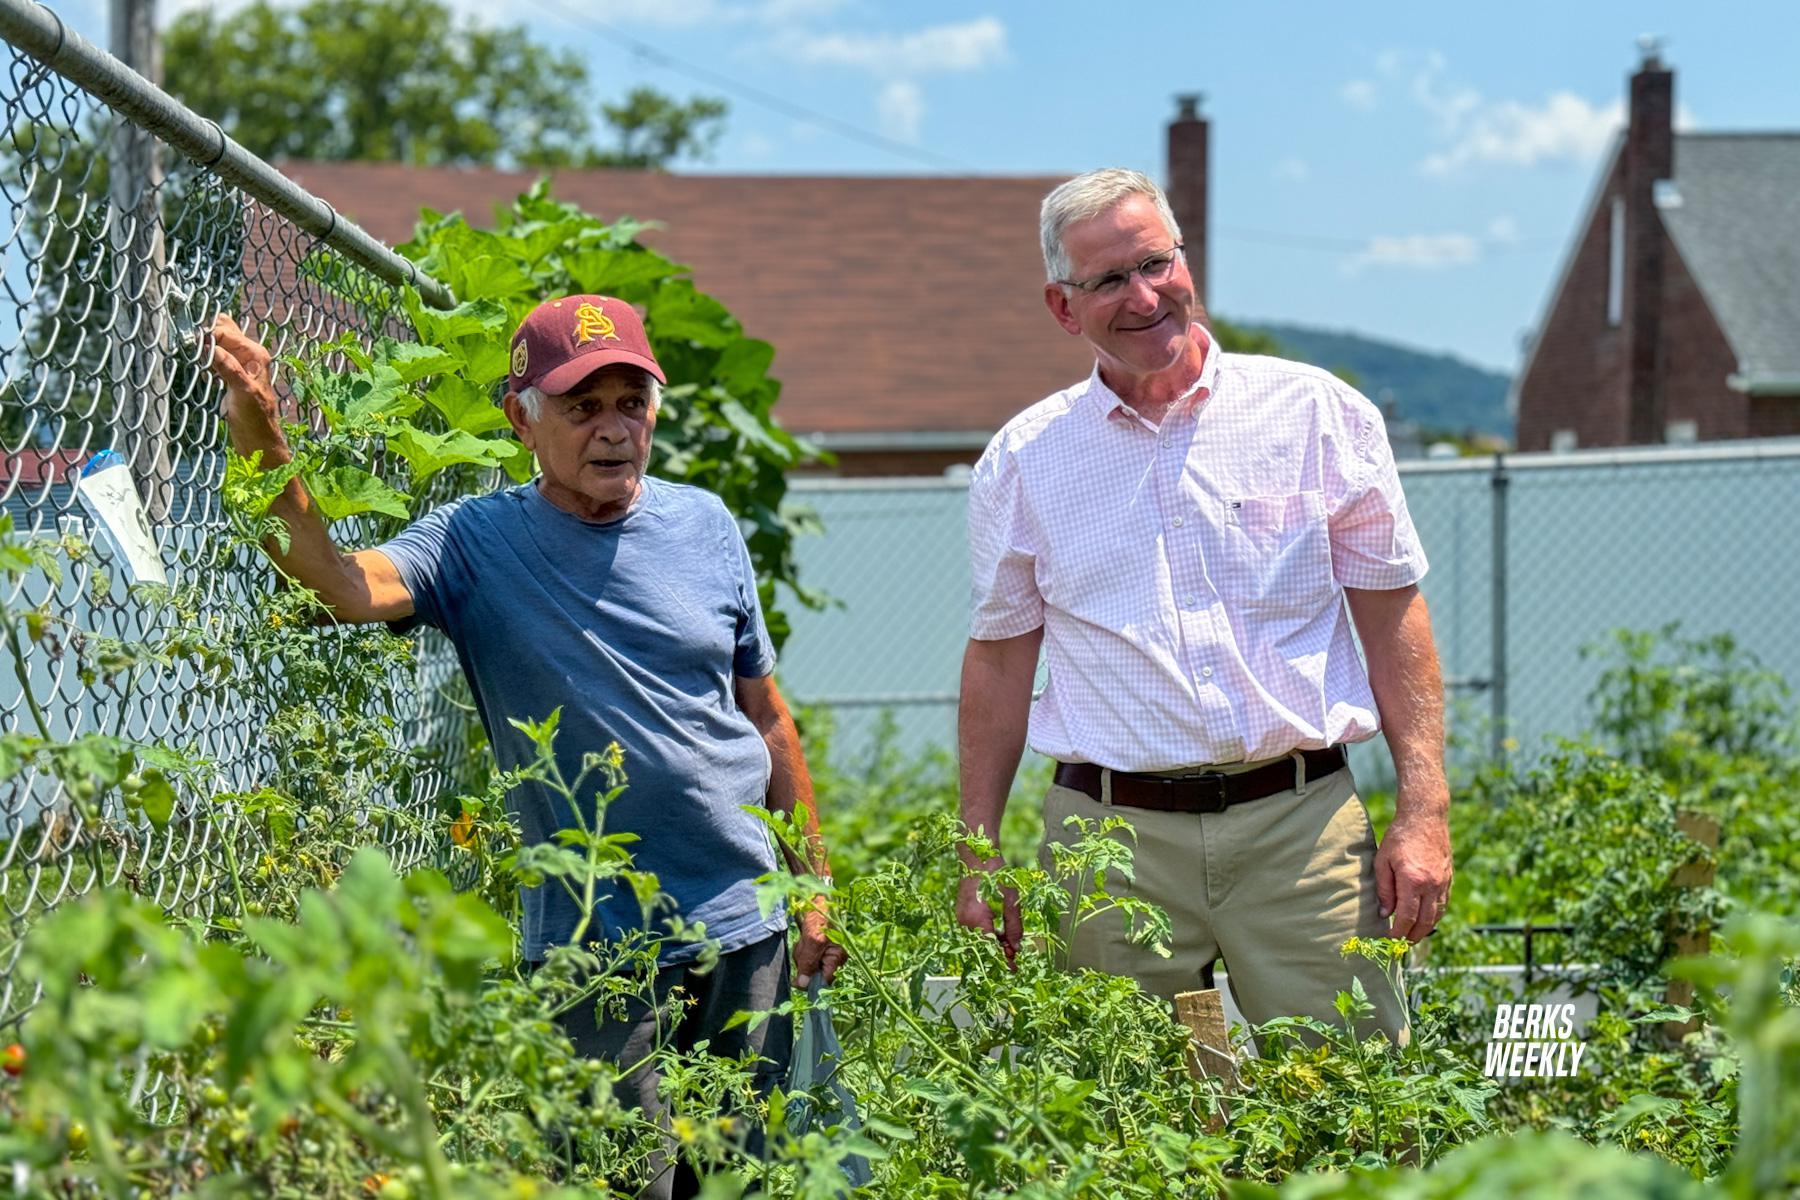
<point x="564" y="341"/>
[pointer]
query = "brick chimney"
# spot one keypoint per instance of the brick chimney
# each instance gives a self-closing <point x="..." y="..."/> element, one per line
<point x="1649" y="157"/>
<point x="1187" y="183"/>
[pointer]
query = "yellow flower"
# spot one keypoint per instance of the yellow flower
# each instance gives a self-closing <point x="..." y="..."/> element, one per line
<point x="462" y="830"/>
<point x="684" y="1129"/>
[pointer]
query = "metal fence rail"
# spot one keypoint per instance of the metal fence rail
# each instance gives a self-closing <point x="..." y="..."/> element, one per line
<point x="131" y="222"/>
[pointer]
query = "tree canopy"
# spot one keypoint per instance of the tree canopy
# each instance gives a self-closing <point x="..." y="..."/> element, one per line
<point x="408" y="81"/>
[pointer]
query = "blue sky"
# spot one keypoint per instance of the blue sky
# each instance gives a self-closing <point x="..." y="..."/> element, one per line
<point x="1408" y="170"/>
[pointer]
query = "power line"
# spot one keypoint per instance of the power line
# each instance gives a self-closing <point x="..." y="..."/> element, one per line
<point x="754" y="95"/>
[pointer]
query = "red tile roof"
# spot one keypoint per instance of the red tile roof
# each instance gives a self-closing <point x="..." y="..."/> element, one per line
<point x="894" y="303"/>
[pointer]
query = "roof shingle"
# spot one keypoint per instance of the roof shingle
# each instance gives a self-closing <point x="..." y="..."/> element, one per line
<point x="895" y="304"/>
<point x="1737" y="225"/>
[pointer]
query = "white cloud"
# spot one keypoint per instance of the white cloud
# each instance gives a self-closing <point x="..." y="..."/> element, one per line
<point x="1417" y="251"/>
<point x="1449" y="103"/>
<point x="966" y="46"/>
<point x="1292" y="169"/>
<point x="1565" y="128"/>
<point x="902" y="109"/>
<point x="1360" y="94"/>
<point x="1562" y="128"/>
<point x="1503" y="231"/>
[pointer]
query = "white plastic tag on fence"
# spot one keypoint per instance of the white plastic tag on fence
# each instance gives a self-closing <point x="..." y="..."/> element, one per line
<point x="106" y="490"/>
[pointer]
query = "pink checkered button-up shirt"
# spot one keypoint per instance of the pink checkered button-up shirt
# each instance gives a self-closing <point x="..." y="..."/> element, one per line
<point x="1190" y="577"/>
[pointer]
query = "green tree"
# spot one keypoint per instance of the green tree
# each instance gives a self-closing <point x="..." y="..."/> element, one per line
<point x="1237" y="339"/>
<point x="653" y="129"/>
<point x="407" y="81"/>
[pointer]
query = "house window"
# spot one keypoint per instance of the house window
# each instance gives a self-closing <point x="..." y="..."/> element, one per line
<point x="1615" y="265"/>
<point x="1562" y="441"/>
<point x="1681" y="433"/>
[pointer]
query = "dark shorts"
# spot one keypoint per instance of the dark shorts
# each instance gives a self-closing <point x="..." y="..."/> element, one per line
<point x="751" y="979"/>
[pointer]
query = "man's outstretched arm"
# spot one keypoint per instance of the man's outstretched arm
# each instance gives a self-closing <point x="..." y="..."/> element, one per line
<point x="358" y="587"/>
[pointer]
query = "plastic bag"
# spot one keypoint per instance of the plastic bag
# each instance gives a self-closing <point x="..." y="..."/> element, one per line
<point x="819" y="1099"/>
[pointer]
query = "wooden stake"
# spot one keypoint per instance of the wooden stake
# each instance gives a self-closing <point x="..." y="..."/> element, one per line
<point x="1697" y="874"/>
<point x="1210" y="1056"/>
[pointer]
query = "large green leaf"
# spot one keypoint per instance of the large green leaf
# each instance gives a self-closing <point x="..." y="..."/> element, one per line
<point x="744" y="366"/>
<point x="429" y="453"/>
<point x="491" y="276"/>
<point x="679" y="313"/>
<point x="519" y="463"/>
<point x="465" y="406"/>
<point x="748" y="427"/>
<point x="345" y="491"/>
<point x="484" y="315"/>
<point x="538" y="239"/>
<point x="618" y="272"/>
<point x="157" y="798"/>
<point x="412" y="361"/>
<point x="380" y="395"/>
<point x="484" y="359"/>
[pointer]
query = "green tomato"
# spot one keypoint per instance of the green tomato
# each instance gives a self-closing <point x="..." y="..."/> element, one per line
<point x="394" y="1189"/>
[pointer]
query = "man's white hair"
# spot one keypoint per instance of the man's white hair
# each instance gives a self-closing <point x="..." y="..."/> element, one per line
<point x="532" y="399"/>
<point x="1088" y="196"/>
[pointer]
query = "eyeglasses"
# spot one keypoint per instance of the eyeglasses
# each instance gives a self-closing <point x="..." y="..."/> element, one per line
<point x="1157" y="268"/>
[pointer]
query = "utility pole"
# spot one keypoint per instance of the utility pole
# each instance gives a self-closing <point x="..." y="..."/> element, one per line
<point x="139" y="375"/>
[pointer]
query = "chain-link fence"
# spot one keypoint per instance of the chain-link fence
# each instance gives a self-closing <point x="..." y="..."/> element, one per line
<point x="131" y="224"/>
<point x="1533" y="558"/>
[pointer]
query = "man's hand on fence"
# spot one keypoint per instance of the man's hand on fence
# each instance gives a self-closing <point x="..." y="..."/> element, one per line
<point x="973" y="910"/>
<point x="250" y="408"/>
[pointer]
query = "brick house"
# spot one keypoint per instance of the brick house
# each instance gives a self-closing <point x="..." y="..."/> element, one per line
<point x="1677" y="314"/>
<point x="906" y="312"/>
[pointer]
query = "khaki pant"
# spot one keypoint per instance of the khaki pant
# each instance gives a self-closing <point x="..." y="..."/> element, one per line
<point x="1274" y="887"/>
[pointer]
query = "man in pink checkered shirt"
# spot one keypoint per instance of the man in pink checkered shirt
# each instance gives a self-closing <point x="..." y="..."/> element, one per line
<point x="1182" y="533"/>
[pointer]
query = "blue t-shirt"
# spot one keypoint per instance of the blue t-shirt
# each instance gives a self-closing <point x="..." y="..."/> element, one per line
<point x="635" y="628"/>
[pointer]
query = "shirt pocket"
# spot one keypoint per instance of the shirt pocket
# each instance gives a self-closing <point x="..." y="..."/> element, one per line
<point x="1276" y="553"/>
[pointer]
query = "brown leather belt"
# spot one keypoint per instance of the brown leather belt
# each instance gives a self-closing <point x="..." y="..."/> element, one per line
<point x="1204" y="792"/>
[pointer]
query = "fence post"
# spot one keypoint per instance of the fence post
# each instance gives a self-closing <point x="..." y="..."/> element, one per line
<point x="139" y="376"/>
<point x="1499" y="483"/>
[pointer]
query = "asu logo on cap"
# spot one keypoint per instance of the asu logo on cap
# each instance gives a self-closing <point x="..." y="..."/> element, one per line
<point x="521" y="358"/>
<point x="591" y="323"/>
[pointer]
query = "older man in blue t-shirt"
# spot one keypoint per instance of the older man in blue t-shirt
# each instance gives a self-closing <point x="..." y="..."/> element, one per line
<point x="630" y="604"/>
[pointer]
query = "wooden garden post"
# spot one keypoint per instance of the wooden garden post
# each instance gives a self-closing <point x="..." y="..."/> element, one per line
<point x="1696" y="874"/>
<point x="1210" y="1055"/>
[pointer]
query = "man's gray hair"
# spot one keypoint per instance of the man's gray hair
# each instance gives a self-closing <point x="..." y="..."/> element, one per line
<point x="532" y="399"/>
<point x="1088" y="196"/>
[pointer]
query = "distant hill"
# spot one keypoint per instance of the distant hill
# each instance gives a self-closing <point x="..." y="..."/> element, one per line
<point x="1438" y="392"/>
